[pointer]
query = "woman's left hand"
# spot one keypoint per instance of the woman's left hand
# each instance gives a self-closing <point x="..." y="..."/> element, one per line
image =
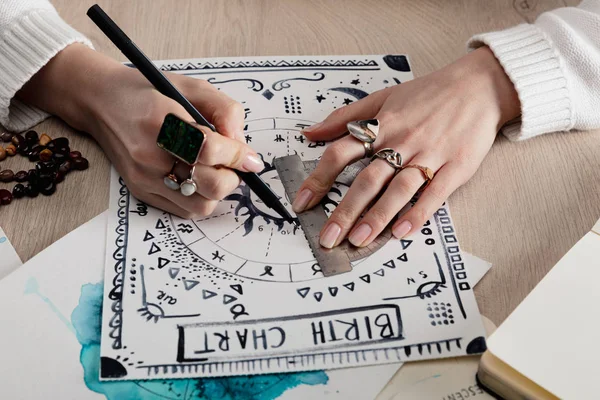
<point x="446" y="121"/>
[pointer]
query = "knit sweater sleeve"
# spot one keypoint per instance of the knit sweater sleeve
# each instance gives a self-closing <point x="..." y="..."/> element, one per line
<point x="31" y="34"/>
<point x="554" y="65"/>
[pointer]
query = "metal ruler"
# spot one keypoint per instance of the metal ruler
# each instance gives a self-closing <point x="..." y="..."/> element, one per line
<point x="293" y="172"/>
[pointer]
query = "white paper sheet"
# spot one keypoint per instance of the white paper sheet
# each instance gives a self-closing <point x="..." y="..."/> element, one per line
<point x="37" y="305"/>
<point x="177" y="286"/>
<point x="550" y="337"/>
<point x="9" y="259"/>
<point x="446" y="379"/>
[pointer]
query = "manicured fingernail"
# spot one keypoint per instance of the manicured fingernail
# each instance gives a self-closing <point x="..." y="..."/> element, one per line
<point x="402" y="229"/>
<point x="313" y="127"/>
<point x="253" y="163"/>
<point x="302" y="200"/>
<point x="330" y="235"/>
<point x="360" y="234"/>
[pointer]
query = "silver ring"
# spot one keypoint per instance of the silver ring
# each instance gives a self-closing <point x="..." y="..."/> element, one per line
<point x="391" y="156"/>
<point x="366" y="131"/>
<point x="188" y="187"/>
<point x="170" y="180"/>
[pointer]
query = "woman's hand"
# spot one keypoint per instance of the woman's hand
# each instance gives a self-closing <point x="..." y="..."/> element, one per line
<point x="124" y="113"/>
<point x="446" y="121"/>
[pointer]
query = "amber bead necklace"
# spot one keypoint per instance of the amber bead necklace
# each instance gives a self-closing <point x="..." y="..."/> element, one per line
<point x="53" y="161"/>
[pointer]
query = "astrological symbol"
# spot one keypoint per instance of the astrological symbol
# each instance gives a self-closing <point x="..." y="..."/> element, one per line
<point x="300" y="138"/>
<point x="268" y="269"/>
<point x="246" y="112"/>
<point x="248" y="139"/>
<point x="246" y="127"/>
<point x="302" y="126"/>
<point x="238" y="310"/>
<point x="183" y="227"/>
<point x="313" y="145"/>
<point x="217" y="256"/>
<point x="316" y="269"/>
<point x="142" y="209"/>
<point x="279" y="138"/>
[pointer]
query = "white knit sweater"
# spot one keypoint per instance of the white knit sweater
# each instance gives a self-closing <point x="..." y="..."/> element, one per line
<point x="553" y="63"/>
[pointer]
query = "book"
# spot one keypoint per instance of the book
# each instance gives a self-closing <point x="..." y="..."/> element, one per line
<point x="547" y="347"/>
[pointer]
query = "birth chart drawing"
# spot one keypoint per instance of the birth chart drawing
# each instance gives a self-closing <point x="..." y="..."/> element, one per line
<point x="240" y="292"/>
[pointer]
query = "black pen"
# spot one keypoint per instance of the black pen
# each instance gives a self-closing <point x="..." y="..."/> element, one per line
<point x="164" y="86"/>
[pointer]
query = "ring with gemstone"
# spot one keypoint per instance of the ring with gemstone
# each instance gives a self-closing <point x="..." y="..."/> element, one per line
<point x="170" y="179"/>
<point x="188" y="187"/>
<point x="181" y="139"/>
<point x="391" y="156"/>
<point x="366" y="131"/>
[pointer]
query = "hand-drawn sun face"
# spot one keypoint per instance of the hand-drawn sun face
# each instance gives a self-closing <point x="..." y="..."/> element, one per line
<point x="245" y="237"/>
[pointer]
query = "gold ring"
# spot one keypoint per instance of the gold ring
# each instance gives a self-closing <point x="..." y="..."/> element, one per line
<point x="427" y="173"/>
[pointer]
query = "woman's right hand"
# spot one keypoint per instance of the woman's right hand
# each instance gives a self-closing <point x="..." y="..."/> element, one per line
<point x="124" y="113"/>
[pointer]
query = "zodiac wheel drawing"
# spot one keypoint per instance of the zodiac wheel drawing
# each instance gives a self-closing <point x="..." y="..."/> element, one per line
<point x="248" y="239"/>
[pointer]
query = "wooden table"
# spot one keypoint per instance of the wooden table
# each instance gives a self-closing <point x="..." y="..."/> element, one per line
<point x="525" y="207"/>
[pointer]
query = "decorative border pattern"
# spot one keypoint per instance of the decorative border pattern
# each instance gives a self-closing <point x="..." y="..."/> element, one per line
<point x="204" y="65"/>
<point x="120" y="258"/>
<point x="453" y="255"/>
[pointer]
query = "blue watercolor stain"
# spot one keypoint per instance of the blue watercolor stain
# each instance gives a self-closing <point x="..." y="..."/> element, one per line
<point x="32" y="287"/>
<point x="2" y="239"/>
<point x="86" y="320"/>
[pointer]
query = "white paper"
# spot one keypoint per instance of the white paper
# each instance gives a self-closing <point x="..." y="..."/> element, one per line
<point x="550" y="337"/>
<point x="446" y="379"/>
<point x="477" y="267"/>
<point x="239" y="292"/>
<point x="9" y="259"/>
<point x="36" y="309"/>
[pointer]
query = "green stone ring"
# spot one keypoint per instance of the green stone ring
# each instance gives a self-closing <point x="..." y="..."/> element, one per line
<point x="181" y="139"/>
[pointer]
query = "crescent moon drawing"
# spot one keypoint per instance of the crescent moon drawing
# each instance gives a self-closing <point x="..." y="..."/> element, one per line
<point x="359" y="94"/>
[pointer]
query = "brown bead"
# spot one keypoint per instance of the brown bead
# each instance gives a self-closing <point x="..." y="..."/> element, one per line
<point x="31" y="138"/>
<point x="65" y="167"/>
<point x="7" y="175"/>
<point x="18" y="191"/>
<point x="2" y="153"/>
<point x="81" y="163"/>
<point x="45" y="155"/>
<point x="18" y="140"/>
<point x="21" y="176"/>
<point x="60" y="176"/>
<point x="31" y="191"/>
<point x="74" y="155"/>
<point x="59" y="158"/>
<point x="48" y="190"/>
<point x="5" y="197"/>
<point x="6" y="137"/>
<point x="61" y="150"/>
<point x="45" y="139"/>
<point x="34" y="154"/>
<point x="11" y="150"/>
<point x="61" y="142"/>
